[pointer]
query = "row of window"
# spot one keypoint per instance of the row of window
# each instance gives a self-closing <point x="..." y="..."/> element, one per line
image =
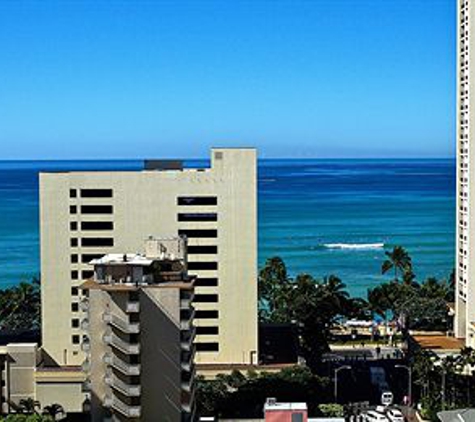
<point x="197" y="200"/>
<point x="92" y="209"/>
<point x="205" y="298"/>
<point x="207" y="330"/>
<point x="92" y="225"/>
<point x="90" y="242"/>
<point x="198" y="217"/>
<point x="207" y="347"/>
<point x="198" y="233"/>
<point x="91" y="193"/>
<point x="86" y="274"/>
<point x="206" y="265"/>
<point x="202" y="250"/>
<point x="85" y="258"/>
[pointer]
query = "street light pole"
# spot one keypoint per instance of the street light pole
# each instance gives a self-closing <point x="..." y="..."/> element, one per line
<point x="341" y="368"/>
<point x="409" y="381"/>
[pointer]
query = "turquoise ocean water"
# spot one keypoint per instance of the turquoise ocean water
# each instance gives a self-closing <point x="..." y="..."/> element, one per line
<point x="322" y="216"/>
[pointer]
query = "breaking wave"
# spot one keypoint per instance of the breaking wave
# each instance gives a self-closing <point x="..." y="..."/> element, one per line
<point x="354" y="246"/>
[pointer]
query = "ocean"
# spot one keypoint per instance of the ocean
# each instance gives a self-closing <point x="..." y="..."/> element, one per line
<point x="321" y="216"/>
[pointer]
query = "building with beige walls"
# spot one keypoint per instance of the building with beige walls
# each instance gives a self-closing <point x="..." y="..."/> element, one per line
<point x="465" y="241"/>
<point x="139" y="335"/>
<point x="86" y="215"/>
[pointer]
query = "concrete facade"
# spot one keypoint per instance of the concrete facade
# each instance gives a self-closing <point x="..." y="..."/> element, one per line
<point x="89" y="214"/>
<point x="138" y="340"/>
<point x="465" y="247"/>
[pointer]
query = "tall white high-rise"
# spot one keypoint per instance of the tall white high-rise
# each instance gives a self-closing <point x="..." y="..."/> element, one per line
<point x="465" y="242"/>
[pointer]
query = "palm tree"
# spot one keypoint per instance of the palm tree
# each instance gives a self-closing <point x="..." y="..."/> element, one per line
<point x="398" y="260"/>
<point x="29" y="405"/>
<point x="54" y="410"/>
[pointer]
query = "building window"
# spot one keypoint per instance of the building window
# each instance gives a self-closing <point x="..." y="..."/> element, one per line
<point x="197" y="200"/>
<point x="88" y="257"/>
<point x="73" y="193"/>
<point x="210" y="216"/>
<point x="96" y="209"/>
<point x="96" y="193"/>
<point x="202" y="265"/>
<point x="207" y="330"/>
<point x="206" y="314"/>
<point x="193" y="233"/>
<point x="202" y="250"/>
<point x="75" y="339"/>
<point x="206" y="282"/>
<point x="74" y="242"/>
<point x="74" y="291"/>
<point x="73" y="209"/>
<point x="207" y="347"/>
<point x="74" y="275"/>
<point x="74" y="259"/>
<point x="205" y="298"/>
<point x="87" y="274"/>
<point x="75" y="307"/>
<point x="297" y="417"/>
<point x="73" y="225"/>
<point x="75" y="323"/>
<point x="97" y="241"/>
<point x="97" y="225"/>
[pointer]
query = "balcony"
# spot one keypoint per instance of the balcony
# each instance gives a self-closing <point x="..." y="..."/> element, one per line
<point x="124" y="409"/>
<point x="132" y="307"/>
<point x="187" y="338"/>
<point x="86" y="345"/>
<point x="124" y="326"/>
<point x="123" y="346"/>
<point x="120" y="365"/>
<point x="85" y="324"/>
<point x="84" y="304"/>
<point x="121" y="386"/>
<point x="187" y="324"/>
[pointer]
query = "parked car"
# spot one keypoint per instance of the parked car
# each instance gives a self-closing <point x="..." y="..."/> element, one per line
<point x="373" y="416"/>
<point x="395" y="415"/>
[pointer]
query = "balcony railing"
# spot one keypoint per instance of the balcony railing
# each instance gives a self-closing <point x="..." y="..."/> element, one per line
<point x="126" y="389"/>
<point x="124" y="367"/>
<point x="187" y="324"/>
<point x="124" y="326"/>
<point x="123" y="346"/>
<point x="121" y="407"/>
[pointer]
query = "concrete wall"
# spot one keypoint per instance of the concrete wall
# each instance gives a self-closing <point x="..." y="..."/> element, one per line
<point x="160" y="354"/>
<point x="145" y="203"/>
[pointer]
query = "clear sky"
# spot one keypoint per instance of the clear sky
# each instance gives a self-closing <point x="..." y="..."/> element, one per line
<point x="316" y="78"/>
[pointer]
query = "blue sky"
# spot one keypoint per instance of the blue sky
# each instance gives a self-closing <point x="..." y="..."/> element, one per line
<point x="321" y="78"/>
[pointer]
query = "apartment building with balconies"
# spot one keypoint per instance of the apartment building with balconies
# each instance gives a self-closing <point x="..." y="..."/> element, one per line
<point x="88" y="214"/>
<point x="138" y="335"/>
<point x="465" y="241"/>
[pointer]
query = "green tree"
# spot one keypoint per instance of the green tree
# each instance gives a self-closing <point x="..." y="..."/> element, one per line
<point x="273" y="285"/>
<point x="399" y="261"/>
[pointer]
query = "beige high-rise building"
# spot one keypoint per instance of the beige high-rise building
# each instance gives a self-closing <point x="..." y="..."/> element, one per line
<point x="86" y="215"/>
<point x="465" y="243"/>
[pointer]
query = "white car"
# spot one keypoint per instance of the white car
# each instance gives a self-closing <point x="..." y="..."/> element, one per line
<point x="395" y="415"/>
<point x="373" y="416"/>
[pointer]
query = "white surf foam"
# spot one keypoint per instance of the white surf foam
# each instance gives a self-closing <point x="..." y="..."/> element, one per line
<point x="354" y="245"/>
